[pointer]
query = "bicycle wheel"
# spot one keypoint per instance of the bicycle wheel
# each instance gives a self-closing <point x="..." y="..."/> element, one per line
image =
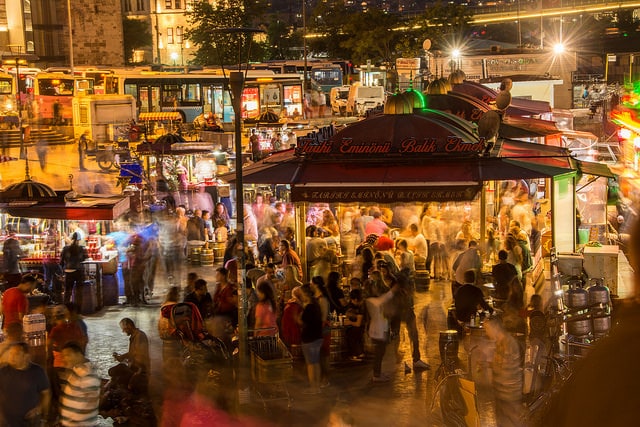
<point x="104" y="163"/>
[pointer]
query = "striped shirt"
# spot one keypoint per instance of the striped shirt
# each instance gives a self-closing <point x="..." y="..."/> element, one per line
<point x="80" y="397"/>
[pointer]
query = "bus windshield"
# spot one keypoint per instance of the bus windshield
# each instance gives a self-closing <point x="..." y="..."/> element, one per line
<point x="6" y="85"/>
<point x="55" y="86"/>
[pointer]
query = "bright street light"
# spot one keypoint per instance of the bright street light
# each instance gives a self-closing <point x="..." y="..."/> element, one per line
<point x="174" y="57"/>
<point x="558" y="48"/>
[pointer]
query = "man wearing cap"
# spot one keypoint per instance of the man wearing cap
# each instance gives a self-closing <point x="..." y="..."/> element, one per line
<point x="71" y="262"/>
<point x="14" y="301"/>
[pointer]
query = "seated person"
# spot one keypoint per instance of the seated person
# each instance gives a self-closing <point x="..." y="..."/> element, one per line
<point x="201" y="298"/>
<point x="354" y="322"/>
<point x="469" y="298"/>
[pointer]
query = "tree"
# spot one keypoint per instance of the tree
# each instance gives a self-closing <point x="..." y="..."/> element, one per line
<point x="375" y="35"/>
<point x="281" y="40"/>
<point x="220" y="48"/>
<point x="136" y="35"/>
<point x="442" y="24"/>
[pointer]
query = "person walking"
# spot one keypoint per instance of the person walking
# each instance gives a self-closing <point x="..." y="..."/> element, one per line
<point x="311" y="338"/>
<point x="24" y="388"/>
<point x="81" y="392"/>
<point x="378" y="325"/>
<point x="507" y="374"/>
<point x="71" y="262"/>
<point x="11" y="253"/>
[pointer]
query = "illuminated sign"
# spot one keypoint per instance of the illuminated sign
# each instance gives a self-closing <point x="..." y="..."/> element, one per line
<point x="386" y="195"/>
<point x="411" y="145"/>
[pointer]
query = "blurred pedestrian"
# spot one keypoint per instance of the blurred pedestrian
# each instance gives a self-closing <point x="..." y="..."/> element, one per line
<point x="42" y="146"/>
<point x="24" y="388"/>
<point x="81" y="394"/>
<point x="507" y="374"/>
<point x="71" y="262"/>
<point x="14" y="301"/>
<point x="11" y="253"/>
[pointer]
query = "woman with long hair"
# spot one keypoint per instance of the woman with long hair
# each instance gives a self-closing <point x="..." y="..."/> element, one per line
<point x="265" y="314"/>
<point x="220" y="213"/>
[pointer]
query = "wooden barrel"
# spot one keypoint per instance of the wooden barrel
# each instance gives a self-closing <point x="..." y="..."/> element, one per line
<point x="206" y="257"/>
<point x="109" y="289"/>
<point x="194" y="256"/>
<point x="448" y="345"/>
<point x="218" y="252"/>
<point x="88" y="298"/>
<point x="338" y="345"/>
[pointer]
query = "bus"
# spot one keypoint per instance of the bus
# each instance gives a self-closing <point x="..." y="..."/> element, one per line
<point x="7" y="96"/>
<point x="205" y="91"/>
<point x="50" y="95"/>
<point x="98" y="75"/>
<point x="323" y="75"/>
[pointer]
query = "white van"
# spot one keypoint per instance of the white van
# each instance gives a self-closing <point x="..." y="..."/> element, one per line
<point x="339" y="96"/>
<point x="363" y="98"/>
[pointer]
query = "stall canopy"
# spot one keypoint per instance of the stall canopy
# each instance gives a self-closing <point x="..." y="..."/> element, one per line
<point x="518" y="107"/>
<point x="172" y="144"/>
<point x="160" y="116"/>
<point x="95" y="207"/>
<point x="396" y="157"/>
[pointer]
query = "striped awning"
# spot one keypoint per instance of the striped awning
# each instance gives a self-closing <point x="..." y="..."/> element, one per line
<point x="4" y="159"/>
<point x="160" y="116"/>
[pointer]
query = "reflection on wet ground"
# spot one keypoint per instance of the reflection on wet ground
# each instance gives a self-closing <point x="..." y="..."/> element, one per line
<point x="404" y="401"/>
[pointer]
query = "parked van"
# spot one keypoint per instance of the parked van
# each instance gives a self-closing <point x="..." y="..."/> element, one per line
<point x="338" y="97"/>
<point x="363" y="98"/>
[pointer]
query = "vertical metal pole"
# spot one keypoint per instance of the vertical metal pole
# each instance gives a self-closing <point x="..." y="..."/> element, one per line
<point x="236" y="82"/>
<point x="70" y="36"/>
<point x="304" y="45"/>
<point x="23" y="151"/>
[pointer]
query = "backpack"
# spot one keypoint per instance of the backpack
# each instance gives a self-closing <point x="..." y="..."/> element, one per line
<point x="527" y="260"/>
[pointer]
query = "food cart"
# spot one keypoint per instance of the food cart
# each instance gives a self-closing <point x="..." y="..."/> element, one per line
<point x="43" y="219"/>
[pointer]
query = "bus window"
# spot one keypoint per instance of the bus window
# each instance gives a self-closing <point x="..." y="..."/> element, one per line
<point x="6" y="86"/>
<point x="191" y="92"/>
<point x="270" y="98"/>
<point x="52" y="87"/>
<point x="172" y="95"/>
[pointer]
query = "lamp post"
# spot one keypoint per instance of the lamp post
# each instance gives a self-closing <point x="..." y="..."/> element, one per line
<point x="236" y="86"/>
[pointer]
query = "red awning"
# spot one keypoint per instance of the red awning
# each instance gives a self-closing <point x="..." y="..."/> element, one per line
<point x="85" y="208"/>
<point x="160" y="116"/>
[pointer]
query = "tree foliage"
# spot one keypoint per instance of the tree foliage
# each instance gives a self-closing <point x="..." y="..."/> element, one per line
<point x="136" y="35"/>
<point x="208" y="25"/>
<point x="382" y="37"/>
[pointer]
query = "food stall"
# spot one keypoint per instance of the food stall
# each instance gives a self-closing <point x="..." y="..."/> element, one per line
<point x="42" y="218"/>
<point x="400" y="162"/>
<point x="185" y="169"/>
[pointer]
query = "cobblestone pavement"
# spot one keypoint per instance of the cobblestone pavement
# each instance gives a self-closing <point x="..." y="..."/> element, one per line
<point x="404" y="401"/>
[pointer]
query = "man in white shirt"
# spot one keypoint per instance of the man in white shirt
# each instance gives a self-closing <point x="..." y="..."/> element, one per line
<point x="417" y="245"/>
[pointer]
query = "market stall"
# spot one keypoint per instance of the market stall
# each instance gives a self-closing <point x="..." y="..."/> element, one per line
<point x="43" y="219"/>
<point x="385" y="162"/>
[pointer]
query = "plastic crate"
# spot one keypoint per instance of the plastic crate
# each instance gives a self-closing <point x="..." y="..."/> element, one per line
<point x="34" y="323"/>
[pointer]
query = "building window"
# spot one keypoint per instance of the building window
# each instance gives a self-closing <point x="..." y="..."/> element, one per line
<point x="178" y="4"/>
<point x="179" y="34"/>
<point x="169" y="35"/>
<point x="127" y="5"/>
<point x="168" y="4"/>
<point x="140" y="5"/>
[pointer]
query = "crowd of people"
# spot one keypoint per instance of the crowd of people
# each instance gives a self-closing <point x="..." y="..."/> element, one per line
<point x="65" y="389"/>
